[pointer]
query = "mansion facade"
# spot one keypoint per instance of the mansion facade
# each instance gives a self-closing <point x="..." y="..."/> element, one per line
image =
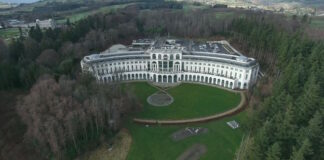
<point x="170" y="62"/>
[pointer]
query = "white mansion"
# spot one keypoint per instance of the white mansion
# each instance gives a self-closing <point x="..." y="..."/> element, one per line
<point x="170" y="62"/>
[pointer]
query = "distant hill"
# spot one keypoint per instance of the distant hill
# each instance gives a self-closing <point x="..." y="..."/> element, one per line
<point x="299" y="7"/>
<point x="18" y="1"/>
<point x="4" y="5"/>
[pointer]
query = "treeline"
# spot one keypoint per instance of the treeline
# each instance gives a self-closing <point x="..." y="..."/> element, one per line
<point x="281" y="116"/>
<point x="57" y="109"/>
<point x="288" y="123"/>
<point x="265" y="37"/>
<point x="66" y="117"/>
<point x="59" y="51"/>
<point x="59" y="9"/>
<point x="160" y="5"/>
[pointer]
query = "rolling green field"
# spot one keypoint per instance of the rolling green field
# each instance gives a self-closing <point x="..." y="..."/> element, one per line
<point x="317" y="22"/>
<point x="190" y="100"/>
<point x="81" y="15"/>
<point x="9" y="33"/>
<point x="154" y="142"/>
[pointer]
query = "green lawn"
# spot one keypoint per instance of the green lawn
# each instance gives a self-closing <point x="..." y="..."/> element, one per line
<point x="9" y="33"/>
<point x="191" y="7"/>
<point x="190" y="100"/>
<point x="81" y="15"/>
<point x="154" y="142"/>
<point x="317" y="22"/>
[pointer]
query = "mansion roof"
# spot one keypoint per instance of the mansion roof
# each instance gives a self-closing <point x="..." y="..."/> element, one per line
<point x="220" y="51"/>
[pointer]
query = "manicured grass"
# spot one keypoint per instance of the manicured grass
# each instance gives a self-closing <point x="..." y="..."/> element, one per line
<point x="190" y="100"/>
<point x="154" y="142"/>
<point x="9" y="33"/>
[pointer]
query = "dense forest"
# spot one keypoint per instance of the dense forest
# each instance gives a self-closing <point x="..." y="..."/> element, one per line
<point x="286" y="107"/>
<point x="287" y="119"/>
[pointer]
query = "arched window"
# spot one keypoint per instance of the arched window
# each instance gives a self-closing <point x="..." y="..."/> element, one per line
<point x="165" y="57"/>
<point x="153" y="56"/>
<point x="171" y="57"/>
<point x="177" y="66"/>
<point x="177" y="56"/>
<point x="159" y="56"/>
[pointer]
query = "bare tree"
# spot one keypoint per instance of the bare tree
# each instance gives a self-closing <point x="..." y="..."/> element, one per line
<point x="61" y="113"/>
<point x="48" y="58"/>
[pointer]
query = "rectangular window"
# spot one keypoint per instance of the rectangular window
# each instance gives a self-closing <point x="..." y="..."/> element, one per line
<point x="171" y="64"/>
<point x="183" y="66"/>
<point x="160" y="65"/>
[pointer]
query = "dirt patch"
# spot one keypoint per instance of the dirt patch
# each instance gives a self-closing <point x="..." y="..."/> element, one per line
<point x="160" y="99"/>
<point x="193" y="153"/>
<point x="188" y="132"/>
<point x="117" y="151"/>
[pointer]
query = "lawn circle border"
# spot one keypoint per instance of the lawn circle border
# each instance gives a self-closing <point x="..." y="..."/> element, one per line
<point x="154" y="98"/>
<point x="239" y="108"/>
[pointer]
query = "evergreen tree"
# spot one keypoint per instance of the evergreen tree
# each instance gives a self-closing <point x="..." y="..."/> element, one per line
<point x="309" y="101"/>
<point x="68" y="23"/>
<point x="315" y="133"/>
<point x="36" y="33"/>
<point x="303" y="152"/>
<point x="274" y="152"/>
<point x="16" y="50"/>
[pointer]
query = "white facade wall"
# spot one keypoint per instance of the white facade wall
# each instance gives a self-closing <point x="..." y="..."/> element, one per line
<point x="169" y="66"/>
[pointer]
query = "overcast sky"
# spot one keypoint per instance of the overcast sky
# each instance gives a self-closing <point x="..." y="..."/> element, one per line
<point x="19" y="1"/>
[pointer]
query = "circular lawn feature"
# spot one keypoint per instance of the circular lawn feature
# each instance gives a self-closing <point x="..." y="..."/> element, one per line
<point x="189" y="101"/>
<point x="160" y="99"/>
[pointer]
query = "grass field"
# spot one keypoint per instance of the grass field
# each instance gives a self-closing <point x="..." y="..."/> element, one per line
<point x="317" y="22"/>
<point x="9" y="33"/>
<point x="190" y="7"/>
<point x="154" y="142"/>
<point x="78" y="16"/>
<point x="190" y="100"/>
